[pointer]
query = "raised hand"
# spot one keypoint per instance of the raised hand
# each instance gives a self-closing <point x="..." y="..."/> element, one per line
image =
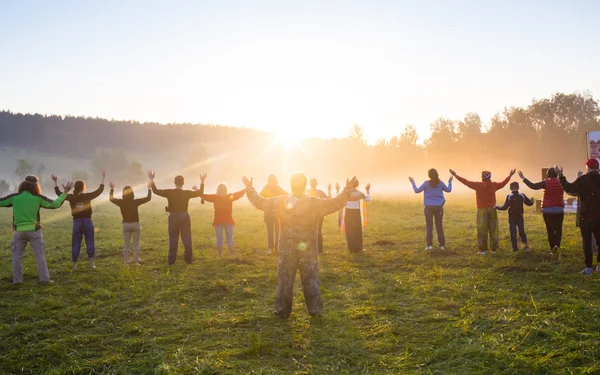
<point x="103" y="174"/>
<point x="512" y="172"/>
<point x="452" y="173"/>
<point x="350" y="183"/>
<point x="411" y="180"/>
<point x="53" y="177"/>
<point x="579" y="173"/>
<point x="247" y="182"/>
<point x="68" y="186"/>
<point x="368" y="188"/>
<point x="203" y="177"/>
<point x="451" y="178"/>
<point x="520" y="173"/>
<point x="111" y="185"/>
<point x="151" y="175"/>
<point x="195" y="188"/>
<point x="558" y="170"/>
<point x="337" y="187"/>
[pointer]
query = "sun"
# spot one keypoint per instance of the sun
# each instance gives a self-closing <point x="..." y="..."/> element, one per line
<point x="288" y="140"/>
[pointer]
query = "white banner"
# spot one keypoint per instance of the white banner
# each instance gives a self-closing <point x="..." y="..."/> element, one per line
<point x="593" y="144"/>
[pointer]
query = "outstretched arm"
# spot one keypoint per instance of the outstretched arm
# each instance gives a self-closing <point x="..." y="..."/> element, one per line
<point x="470" y="184"/>
<point x="96" y="193"/>
<point x="327" y="206"/>
<point x="147" y="198"/>
<point x="199" y="192"/>
<point x="528" y="201"/>
<point x="264" y="204"/>
<point x="7" y="201"/>
<point x="448" y="188"/>
<point x="500" y="185"/>
<point x="47" y="203"/>
<point x="504" y="207"/>
<point x="238" y="194"/>
<point x="414" y="186"/>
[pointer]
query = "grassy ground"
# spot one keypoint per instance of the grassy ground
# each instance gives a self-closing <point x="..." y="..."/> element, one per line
<point x="393" y="309"/>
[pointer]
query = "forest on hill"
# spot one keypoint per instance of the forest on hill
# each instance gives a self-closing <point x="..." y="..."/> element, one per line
<point x="547" y="131"/>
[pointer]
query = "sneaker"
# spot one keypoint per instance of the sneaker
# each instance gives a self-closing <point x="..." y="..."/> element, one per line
<point x="269" y="252"/>
<point x="554" y="250"/>
<point x="586" y="271"/>
<point x="598" y="268"/>
<point x="492" y="251"/>
<point x="442" y="248"/>
<point x="527" y="249"/>
<point x="481" y="252"/>
<point x="429" y="247"/>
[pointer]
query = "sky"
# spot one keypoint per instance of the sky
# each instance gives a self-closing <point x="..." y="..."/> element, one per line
<point x="299" y="68"/>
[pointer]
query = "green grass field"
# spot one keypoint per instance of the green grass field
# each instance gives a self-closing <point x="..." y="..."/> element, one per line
<point x="394" y="309"/>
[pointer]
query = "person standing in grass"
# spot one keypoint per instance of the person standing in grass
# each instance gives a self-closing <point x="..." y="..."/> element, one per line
<point x="131" y="218"/>
<point x="81" y="209"/>
<point x="434" y="202"/>
<point x="272" y="190"/>
<point x="587" y="188"/>
<point x="487" y="217"/>
<point x="514" y="204"/>
<point x="553" y="206"/>
<point x="352" y="223"/>
<point x="179" y="218"/>
<point x="223" y="219"/>
<point x="26" y="224"/>
<point x="314" y="192"/>
<point x="299" y="216"/>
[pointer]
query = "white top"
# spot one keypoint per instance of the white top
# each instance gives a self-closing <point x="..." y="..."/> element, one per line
<point x="355" y="205"/>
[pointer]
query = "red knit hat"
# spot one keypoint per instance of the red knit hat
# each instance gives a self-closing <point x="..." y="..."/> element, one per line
<point x="592" y="163"/>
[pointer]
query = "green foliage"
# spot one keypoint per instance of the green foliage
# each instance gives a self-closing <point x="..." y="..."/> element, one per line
<point x="394" y="309"/>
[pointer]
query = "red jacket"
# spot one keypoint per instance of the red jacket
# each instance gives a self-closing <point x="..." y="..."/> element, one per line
<point x="485" y="192"/>
<point x="554" y="195"/>
<point x="224" y="206"/>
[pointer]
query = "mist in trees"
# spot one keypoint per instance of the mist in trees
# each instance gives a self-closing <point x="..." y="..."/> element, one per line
<point x="547" y="131"/>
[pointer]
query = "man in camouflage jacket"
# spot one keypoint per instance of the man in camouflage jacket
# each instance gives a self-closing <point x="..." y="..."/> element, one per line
<point x="299" y="217"/>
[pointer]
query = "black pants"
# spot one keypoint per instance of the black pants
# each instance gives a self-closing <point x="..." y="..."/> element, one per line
<point x="437" y="213"/>
<point x="179" y="225"/>
<point x="353" y="223"/>
<point x="587" y="230"/>
<point x="554" y="223"/>
<point x="272" y="222"/>
<point x="321" y="236"/>
<point x="517" y="224"/>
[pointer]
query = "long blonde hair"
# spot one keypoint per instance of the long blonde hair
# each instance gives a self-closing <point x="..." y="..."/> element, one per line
<point x="221" y="189"/>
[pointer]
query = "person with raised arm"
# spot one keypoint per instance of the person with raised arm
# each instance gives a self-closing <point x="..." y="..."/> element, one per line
<point x="271" y="190"/>
<point x="514" y="204"/>
<point x="434" y="201"/>
<point x="299" y="216"/>
<point x="223" y="218"/>
<point x="81" y="210"/>
<point x="587" y="188"/>
<point x="314" y="192"/>
<point x="553" y="206"/>
<point x="131" y="218"/>
<point x="487" y="217"/>
<point x="179" y="218"/>
<point x="26" y="204"/>
<point x="351" y="221"/>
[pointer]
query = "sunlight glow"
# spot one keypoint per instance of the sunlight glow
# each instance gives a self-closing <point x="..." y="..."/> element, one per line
<point x="287" y="139"/>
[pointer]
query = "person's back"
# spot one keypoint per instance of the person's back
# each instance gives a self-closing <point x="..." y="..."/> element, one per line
<point x="299" y="219"/>
<point x="81" y="203"/>
<point x="589" y="195"/>
<point x="26" y="210"/>
<point x="553" y="195"/>
<point x="178" y="199"/>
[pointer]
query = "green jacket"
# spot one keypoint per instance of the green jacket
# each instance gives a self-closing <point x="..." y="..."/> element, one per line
<point x="26" y="209"/>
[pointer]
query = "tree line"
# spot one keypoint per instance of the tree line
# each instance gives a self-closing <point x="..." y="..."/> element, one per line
<point x="547" y="131"/>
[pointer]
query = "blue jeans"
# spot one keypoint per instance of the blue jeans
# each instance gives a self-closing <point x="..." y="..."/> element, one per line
<point x="82" y="228"/>
<point x="228" y="231"/>
<point x="436" y="212"/>
<point x="517" y="223"/>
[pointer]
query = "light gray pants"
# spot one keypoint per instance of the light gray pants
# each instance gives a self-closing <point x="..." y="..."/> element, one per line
<point x="19" y="244"/>
<point x="131" y="230"/>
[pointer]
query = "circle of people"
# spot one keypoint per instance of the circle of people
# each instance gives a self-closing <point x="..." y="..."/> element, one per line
<point x="294" y="221"/>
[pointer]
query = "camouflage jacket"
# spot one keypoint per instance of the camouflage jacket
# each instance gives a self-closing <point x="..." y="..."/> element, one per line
<point x="298" y="217"/>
